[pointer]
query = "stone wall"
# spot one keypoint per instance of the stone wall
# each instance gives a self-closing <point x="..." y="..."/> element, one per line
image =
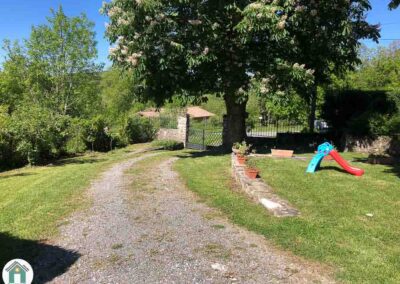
<point x="262" y="193"/>
<point x="180" y="134"/>
<point x="382" y="145"/>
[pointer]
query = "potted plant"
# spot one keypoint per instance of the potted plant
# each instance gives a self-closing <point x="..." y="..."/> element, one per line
<point x="243" y="150"/>
<point x="235" y="148"/>
<point x="251" y="170"/>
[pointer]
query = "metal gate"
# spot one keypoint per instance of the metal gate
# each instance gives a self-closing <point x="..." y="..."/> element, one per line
<point x="205" y="134"/>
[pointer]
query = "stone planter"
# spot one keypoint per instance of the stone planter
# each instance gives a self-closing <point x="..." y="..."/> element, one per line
<point x="259" y="191"/>
<point x="282" y="153"/>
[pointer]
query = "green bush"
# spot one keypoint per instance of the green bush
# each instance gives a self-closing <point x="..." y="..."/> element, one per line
<point x="168" y="144"/>
<point x="139" y="130"/>
<point x="359" y="113"/>
<point x="393" y="124"/>
<point x="97" y="135"/>
<point x="7" y="152"/>
<point x="75" y="141"/>
<point x="38" y="134"/>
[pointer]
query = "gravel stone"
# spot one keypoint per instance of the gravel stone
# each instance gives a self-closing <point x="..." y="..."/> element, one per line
<point x="162" y="234"/>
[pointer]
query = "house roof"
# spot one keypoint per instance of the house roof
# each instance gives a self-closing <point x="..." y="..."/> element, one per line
<point x="198" y="112"/>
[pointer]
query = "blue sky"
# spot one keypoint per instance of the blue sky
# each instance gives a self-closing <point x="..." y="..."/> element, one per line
<point x="18" y="16"/>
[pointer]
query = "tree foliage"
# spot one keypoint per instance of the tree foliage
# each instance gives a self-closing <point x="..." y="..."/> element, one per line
<point x="117" y="94"/>
<point x="394" y="4"/>
<point x="193" y="48"/>
<point x="367" y="99"/>
<point x="379" y="70"/>
<point x="50" y="103"/>
<point x="361" y="112"/>
<point x="61" y="55"/>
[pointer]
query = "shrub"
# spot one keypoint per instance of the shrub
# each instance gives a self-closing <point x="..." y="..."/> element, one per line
<point x="394" y="124"/>
<point x="75" y="141"/>
<point x="38" y="134"/>
<point x="243" y="148"/>
<point x="168" y="144"/>
<point x="139" y="130"/>
<point x="7" y="152"/>
<point x="360" y="113"/>
<point x="251" y="163"/>
<point x="97" y="135"/>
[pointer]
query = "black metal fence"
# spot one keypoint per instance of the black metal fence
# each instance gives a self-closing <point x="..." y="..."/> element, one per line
<point x="272" y="128"/>
<point x="205" y="133"/>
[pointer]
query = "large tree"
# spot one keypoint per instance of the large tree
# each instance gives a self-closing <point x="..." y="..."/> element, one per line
<point x="62" y="68"/>
<point x="194" y="47"/>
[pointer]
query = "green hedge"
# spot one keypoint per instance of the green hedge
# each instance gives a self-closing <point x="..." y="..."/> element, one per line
<point x="361" y="113"/>
<point x="34" y="135"/>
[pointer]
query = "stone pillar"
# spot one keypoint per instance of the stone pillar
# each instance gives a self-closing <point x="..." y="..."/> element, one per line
<point x="183" y="128"/>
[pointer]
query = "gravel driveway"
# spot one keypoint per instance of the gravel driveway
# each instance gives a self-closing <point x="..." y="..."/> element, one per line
<point x="160" y="233"/>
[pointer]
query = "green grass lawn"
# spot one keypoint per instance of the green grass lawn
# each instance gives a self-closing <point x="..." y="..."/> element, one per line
<point x="34" y="200"/>
<point x="333" y="227"/>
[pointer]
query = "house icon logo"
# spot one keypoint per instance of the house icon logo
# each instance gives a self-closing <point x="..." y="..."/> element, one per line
<point x="17" y="271"/>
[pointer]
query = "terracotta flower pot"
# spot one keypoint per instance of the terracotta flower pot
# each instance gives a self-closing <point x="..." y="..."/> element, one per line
<point x="251" y="173"/>
<point x="241" y="159"/>
<point x="282" y="153"/>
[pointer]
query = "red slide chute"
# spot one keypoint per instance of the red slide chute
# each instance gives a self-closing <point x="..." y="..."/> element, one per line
<point x="342" y="162"/>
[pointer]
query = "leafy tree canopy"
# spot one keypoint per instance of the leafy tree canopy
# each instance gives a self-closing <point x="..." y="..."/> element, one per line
<point x="55" y="68"/>
<point x="228" y="47"/>
<point x="379" y="70"/>
<point x="394" y="4"/>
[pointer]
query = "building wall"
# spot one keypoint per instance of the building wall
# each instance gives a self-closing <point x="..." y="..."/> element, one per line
<point x="180" y="134"/>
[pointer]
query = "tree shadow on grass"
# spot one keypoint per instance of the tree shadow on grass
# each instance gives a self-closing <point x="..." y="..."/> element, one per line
<point x="48" y="261"/>
<point x="16" y="175"/>
<point x="332" y="168"/>
<point x="75" y="161"/>
<point x="192" y="154"/>
<point x="392" y="168"/>
<point x="395" y="169"/>
<point x="361" y="160"/>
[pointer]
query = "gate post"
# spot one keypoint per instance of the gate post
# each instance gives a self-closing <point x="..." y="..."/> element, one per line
<point x="183" y="128"/>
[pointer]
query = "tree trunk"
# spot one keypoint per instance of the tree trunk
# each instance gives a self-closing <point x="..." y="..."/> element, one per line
<point x="313" y="108"/>
<point x="235" y="122"/>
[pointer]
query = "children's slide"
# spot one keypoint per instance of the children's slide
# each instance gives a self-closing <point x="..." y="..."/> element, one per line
<point x="343" y="163"/>
<point x="327" y="149"/>
<point x="315" y="162"/>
